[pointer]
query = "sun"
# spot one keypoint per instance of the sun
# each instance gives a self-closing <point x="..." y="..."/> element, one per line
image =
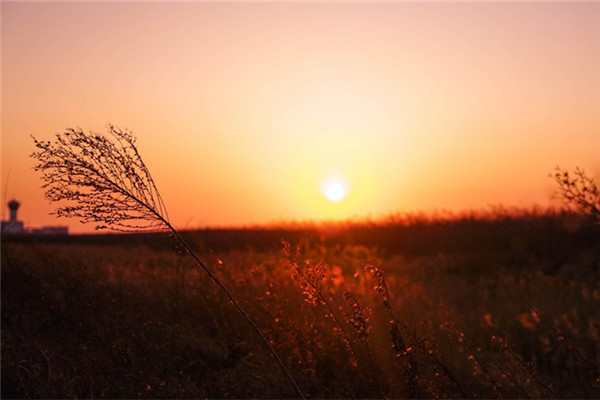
<point x="335" y="190"/>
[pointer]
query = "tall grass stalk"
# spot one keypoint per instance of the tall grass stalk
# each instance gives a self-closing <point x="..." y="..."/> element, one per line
<point x="103" y="180"/>
<point x="398" y="341"/>
<point x="311" y="283"/>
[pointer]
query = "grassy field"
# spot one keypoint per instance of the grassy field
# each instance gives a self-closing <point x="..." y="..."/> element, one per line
<point x="487" y="306"/>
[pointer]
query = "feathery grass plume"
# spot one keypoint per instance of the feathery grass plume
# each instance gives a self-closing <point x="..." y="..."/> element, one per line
<point x="358" y="316"/>
<point x="579" y="190"/>
<point x="310" y="277"/>
<point x="342" y="309"/>
<point x="104" y="180"/>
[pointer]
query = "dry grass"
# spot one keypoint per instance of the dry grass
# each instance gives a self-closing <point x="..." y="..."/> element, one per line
<point x="348" y="320"/>
<point x="343" y="317"/>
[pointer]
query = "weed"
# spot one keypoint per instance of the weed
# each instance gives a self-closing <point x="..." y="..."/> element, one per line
<point x="106" y="182"/>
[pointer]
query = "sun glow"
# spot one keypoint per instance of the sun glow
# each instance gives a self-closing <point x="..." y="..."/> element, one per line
<point x="334" y="189"/>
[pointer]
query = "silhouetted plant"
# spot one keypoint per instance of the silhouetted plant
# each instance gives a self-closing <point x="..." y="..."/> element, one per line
<point x="106" y="182"/>
<point x="310" y="278"/>
<point x="102" y="181"/>
<point x="579" y="190"/>
<point x="336" y="318"/>
<point x="398" y="342"/>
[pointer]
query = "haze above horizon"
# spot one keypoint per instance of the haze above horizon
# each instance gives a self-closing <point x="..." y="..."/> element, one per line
<point x="250" y="113"/>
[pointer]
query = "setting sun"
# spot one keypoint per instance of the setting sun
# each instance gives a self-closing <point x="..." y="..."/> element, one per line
<point x="297" y="199"/>
<point x="335" y="191"/>
<point x="334" y="186"/>
<point x="253" y="117"/>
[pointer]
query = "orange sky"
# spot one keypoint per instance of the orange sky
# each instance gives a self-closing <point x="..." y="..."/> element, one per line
<point x="242" y="109"/>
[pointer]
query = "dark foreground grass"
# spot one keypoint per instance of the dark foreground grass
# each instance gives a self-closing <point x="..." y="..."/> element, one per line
<point x="350" y="319"/>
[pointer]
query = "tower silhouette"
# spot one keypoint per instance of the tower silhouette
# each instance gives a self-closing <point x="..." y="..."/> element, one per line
<point x="13" y="225"/>
<point x="13" y="205"/>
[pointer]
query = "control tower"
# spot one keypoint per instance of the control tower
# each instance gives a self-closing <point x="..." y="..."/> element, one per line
<point x="13" y="225"/>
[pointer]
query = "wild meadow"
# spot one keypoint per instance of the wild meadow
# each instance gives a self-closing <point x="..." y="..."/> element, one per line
<point x="496" y="305"/>
<point x="322" y="200"/>
<point x="503" y="304"/>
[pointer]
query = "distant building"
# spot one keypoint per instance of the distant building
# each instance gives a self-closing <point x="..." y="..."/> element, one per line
<point x="15" y="227"/>
<point x="50" y="230"/>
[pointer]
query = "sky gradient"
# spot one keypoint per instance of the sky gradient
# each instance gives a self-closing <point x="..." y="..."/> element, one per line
<point x="243" y="109"/>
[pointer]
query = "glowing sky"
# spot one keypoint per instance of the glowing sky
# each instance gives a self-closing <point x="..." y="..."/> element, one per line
<point x="243" y="110"/>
